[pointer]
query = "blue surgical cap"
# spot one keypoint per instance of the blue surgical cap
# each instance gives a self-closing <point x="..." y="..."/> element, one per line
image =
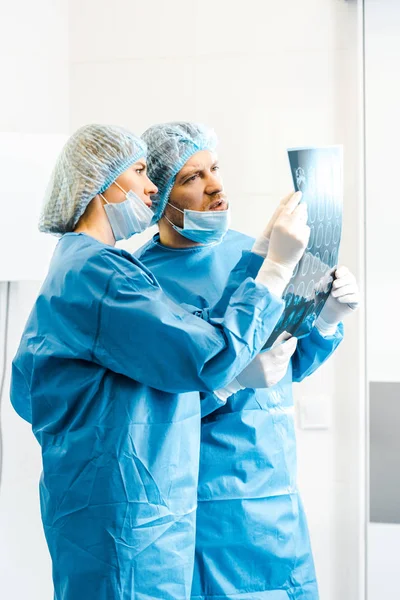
<point x="170" y="145"/>
<point x="91" y="160"/>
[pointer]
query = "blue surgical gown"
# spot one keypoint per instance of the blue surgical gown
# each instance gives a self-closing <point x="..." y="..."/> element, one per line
<point x="252" y="537"/>
<point x="104" y="374"/>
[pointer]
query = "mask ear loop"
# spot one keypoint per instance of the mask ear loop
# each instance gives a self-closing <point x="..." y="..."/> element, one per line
<point x="122" y="190"/>
<point x="176" y="208"/>
<point x="117" y="184"/>
<point x="170" y="222"/>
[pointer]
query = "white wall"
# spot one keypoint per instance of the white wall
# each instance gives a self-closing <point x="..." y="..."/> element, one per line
<point x="382" y="45"/>
<point x="34" y="100"/>
<point x="383" y="560"/>
<point x="382" y="31"/>
<point x="267" y="75"/>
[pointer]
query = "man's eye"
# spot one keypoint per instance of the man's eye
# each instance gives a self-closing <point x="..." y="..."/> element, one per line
<point x="192" y="178"/>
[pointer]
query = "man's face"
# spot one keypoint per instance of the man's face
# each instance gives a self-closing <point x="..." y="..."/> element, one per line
<point x="198" y="186"/>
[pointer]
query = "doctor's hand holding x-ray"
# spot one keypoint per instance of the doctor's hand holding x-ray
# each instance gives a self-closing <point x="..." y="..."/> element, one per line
<point x="268" y="368"/>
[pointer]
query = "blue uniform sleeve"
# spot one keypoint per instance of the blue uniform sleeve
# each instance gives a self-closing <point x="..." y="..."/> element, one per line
<point x="312" y="351"/>
<point x="20" y="395"/>
<point x="141" y="333"/>
<point x="248" y="266"/>
<point x="209" y="403"/>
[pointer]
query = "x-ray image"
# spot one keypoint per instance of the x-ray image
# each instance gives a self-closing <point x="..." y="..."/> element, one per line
<point x="318" y="174"/>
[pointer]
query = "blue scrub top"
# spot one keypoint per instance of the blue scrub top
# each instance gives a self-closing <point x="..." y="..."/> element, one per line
<point x="252" y="537"/>
<point x="101" y="374"/>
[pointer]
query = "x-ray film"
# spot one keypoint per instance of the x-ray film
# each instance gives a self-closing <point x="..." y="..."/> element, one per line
<point x="318" y="174"/>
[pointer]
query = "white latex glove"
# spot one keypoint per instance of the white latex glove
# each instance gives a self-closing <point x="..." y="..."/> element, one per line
<point x="266" y="369"/>
<point x="343" y="300"/>
<point x="228" y="390"/>
<point x="289" y="238"/>
<point x="269" y="367"/>
<point x="262" y="242"/>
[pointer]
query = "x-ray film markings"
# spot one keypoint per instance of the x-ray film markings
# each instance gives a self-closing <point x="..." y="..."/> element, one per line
<point x="328" y="234"/>
<point x="320" y="235"/>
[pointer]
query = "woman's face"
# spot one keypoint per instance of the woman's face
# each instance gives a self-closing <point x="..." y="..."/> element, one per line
<point x="135" y="178"/>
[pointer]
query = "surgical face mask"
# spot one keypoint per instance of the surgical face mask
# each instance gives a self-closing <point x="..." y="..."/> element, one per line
<point x="128" y="217"/>
<point x="204" y="227"/>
